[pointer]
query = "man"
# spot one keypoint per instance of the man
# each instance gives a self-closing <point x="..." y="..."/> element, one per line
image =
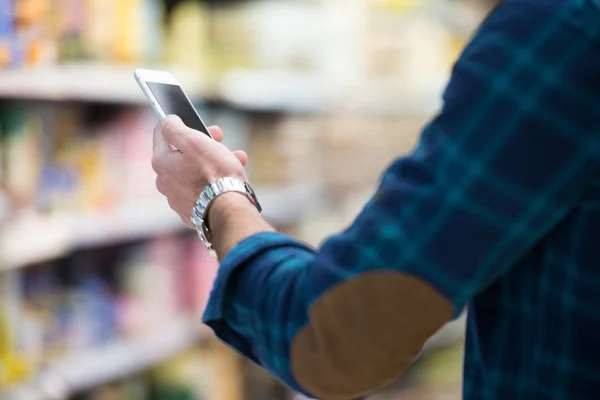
<point x="498" y="208"/>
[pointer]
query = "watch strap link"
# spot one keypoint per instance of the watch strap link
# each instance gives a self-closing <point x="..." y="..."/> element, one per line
<point x="211" y="192"/>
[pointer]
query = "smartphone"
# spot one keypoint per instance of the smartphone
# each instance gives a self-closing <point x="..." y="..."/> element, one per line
<point x="168" y="98"/>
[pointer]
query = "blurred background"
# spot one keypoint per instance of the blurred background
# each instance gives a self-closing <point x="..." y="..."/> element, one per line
<point x="101" y="285"/>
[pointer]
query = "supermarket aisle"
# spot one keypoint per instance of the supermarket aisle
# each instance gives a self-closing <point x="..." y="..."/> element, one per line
<point x="101" y="285"/>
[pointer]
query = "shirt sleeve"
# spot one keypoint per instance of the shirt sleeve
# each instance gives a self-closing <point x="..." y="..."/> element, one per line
<point x="506" y="159"/>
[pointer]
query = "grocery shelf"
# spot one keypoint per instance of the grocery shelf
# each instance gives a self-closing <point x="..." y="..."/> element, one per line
<point x="114" y="83"/>
<point x="126" y="357"/>
<point x="297" y="92"/>
<point x="94" y="367"/>
<point x="251" y="90"/>
<point x="32" y="238"/>
<point x="275" y="90"/>
<point x="93" y="82"/>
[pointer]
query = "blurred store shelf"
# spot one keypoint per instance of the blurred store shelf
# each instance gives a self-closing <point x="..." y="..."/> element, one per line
<point x="93" y="82"/>
<point x="33" y="238"/>
<point x="123" y="358"/>
<point x="251" y="90"/>
<point x="127" y="357"/>
<point x="384" y="97"/>
<point x="106" y="83"/>
<point x="274" y="90"/>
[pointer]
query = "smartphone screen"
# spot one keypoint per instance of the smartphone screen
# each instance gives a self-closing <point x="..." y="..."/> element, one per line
<point x="172" y="100"/>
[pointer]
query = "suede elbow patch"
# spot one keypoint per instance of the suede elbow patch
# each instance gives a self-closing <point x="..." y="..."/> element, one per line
<point x="365" y="332"/>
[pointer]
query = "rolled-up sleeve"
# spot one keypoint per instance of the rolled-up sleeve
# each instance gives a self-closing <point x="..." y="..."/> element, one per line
<point x="506" y="159"/>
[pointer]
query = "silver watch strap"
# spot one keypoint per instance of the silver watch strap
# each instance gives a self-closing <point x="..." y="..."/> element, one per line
<point x="211" y="192"/>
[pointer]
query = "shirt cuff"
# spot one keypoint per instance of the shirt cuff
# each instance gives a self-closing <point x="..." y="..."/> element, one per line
<point x="222" y="299"/>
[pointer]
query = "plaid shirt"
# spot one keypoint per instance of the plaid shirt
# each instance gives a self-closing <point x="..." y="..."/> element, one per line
<point x="496" y="209"/>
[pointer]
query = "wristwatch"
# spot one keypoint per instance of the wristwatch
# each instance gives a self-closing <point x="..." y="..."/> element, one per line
<point x="205" y="199"/>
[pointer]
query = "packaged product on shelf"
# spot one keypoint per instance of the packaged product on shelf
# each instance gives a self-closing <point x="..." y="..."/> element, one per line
<point x="396" y="5"/>
<point x="43" y="299"/>
<point x="439" y="375"/>
<point x="333" y="220"/>
<point x="207" y="372"/>
<point x="94" y="314"/>
<point x="285" y="151"/>
<point x="95" y="166"/>
<point x="153" y="31"/>
<point x="5" y="205"/>
<point x="90" y="318"/>
<point x="359" y="148"/>
<point x="91" y="188"/>
<point x="31" y="335"/>
<point x="168" y="254"/>
<point x="287" y="34"/>
<point x="60" y="177"/>
<point x="93" y="298"/>
<point x="21" y="151"/>
<point x="261" y="385"/>
<point x="127" y="38"/>
<point x="235" y="125"/>
<point x="353" y="147"/>
<point x="403" y="134"/>
<point x="6" y="32"/>
<point x="232" y="40"/>
<point x="266" y="167"/>
<point x="131" y="388"/>
<point x="100" y="34"/>
<point x="3" y="190"/>
<point x="399" y="71"/>
<point x="171" y="382"/>
<point x="278" y="35"/>
<point x="135" y="389"/>
<point x="131" y="141"/>
<point x="138" y="30"/>
<point x="71" y="22"/>
<point x="14" y="365"/>
<point x="108" y="140"/>
<point x="33" y="43"/>
<point x="201" y="270"/>
<point x="151" y="288"/>
<point x="187" y="29"/>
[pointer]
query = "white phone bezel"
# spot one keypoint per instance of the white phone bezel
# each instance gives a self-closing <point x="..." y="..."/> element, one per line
<point x="142" y="76"/>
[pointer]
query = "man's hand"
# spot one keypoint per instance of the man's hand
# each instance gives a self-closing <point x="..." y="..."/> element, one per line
<point x="186" y="161"/>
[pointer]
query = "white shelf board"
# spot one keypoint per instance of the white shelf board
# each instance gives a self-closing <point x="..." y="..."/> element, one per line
<point x="310" y="93"/>
<point x="265" y="90"/>
<point x="30" y="239"/>
<point x="274" y="90"/>
<point x="83" y="82"/>
<point x="94" y="367"/>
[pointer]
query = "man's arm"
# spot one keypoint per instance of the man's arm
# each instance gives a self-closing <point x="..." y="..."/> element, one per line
<point x="507" y="158"/>
<point x="232" y="219"/>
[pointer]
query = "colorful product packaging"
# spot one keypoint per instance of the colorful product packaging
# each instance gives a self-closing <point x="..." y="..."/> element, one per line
<point x="188" y="30"/>
<point x="6" y="31"/>
<point x="71" y="24"/>
<point x="100" y="33"/>
<point x="153" y="31"/>
<point x="128" y="30"/>
<point x="22" y="156"/>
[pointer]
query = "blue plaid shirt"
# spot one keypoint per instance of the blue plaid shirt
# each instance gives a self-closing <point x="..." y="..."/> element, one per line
<point x="496" y="209"/>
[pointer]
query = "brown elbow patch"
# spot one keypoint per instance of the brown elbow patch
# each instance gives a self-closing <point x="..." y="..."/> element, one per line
<point x="365" y="332"/>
